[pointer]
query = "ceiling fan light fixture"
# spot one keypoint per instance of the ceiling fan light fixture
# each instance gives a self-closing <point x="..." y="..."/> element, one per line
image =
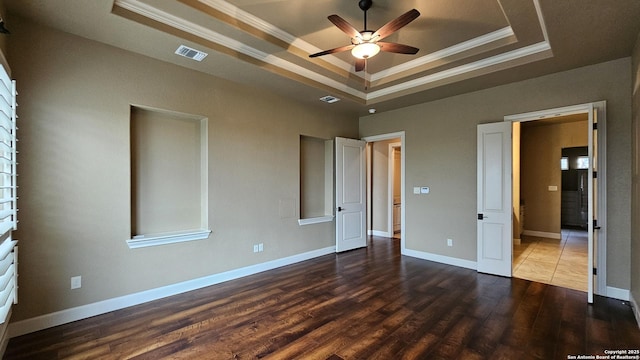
<point x="365" y="50"/>
<point x="366" y="44"/>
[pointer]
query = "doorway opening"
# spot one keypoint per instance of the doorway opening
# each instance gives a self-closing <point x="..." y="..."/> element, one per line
<point x="385" y="186"/>
<point x="525" y="210"/>
<point x="553" y="200"/>
<point x="395" y="198"/>
<point x="575" y="199"/>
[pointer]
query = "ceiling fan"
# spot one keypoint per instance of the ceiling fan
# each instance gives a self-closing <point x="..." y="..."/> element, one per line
<point x="366" y="43"/>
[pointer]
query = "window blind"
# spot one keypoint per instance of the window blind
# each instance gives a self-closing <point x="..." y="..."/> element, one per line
<point x="8" y="195"/>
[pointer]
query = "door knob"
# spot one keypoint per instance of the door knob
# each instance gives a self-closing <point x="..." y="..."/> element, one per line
<point x="339" y="208"/>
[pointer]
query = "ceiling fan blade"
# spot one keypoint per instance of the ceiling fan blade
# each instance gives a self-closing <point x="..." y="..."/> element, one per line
<point x="396" y="24"/>
<point x="397" y="48"/>
<point x="360" y="63"/>
<point x="343" y="25"/>
<point x="332" y="51"/>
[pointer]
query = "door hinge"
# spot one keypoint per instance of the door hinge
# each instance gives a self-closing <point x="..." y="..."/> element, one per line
<point x="595" y="271"/>
<point x="595" y="224"/>
<point x="595" y="126"/>
<point x="595" y="174"/>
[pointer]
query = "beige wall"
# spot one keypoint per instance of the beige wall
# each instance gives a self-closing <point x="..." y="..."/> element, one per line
<point x="541" y="150"/>
<point x="440" y="152"/>
<point x="75" y="98"/>
<point x="635" y="192"/>
<point x="3" y="38"/>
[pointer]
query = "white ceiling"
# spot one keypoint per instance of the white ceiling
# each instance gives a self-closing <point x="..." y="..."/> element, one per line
<point x="464" y="45"/>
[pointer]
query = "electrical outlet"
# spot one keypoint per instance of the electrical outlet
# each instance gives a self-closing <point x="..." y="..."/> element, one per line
<point x="256" y="248"/>
<point x="261" y="247"/>
<point x="449" y="242"/>
<point x="76" y="282"/>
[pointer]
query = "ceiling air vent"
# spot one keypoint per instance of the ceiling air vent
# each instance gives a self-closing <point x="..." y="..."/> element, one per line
<point x="191" y="53"/>
<point x="329" y="99"/>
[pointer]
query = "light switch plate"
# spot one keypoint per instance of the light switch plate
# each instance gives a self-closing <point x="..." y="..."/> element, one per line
<point x="416" y="190"/>
<point x="553" y="188"/>
<point x="424" y="190"/>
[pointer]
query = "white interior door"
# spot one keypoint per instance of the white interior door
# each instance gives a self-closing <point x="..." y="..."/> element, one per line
<point x="494" y="199"/>
<point x="350" y="194"/>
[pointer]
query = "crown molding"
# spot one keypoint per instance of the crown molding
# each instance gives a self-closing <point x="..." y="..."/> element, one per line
<point x="270" y="29"/>
<point x="519" y="54"/>
<point x="439" y="55"/>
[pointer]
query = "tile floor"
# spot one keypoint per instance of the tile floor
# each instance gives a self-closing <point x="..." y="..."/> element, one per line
<point x="561" y="262"/>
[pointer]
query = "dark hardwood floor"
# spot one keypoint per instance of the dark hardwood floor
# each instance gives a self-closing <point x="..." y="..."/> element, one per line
<point x="370" y="303"/>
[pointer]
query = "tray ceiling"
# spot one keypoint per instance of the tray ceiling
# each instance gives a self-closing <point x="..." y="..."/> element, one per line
<point x="456" y="41"/>
<point x="464" y="45"/>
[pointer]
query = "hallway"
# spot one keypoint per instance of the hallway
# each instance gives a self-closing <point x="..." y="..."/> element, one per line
<point x="560" y="262"/>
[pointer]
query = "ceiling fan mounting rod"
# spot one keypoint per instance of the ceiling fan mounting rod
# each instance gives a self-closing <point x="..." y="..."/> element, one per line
<point x="364" y="6"/>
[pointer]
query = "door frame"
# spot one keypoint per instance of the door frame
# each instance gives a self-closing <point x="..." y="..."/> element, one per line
<point x="601" y="250"/>
<point x="403" y="168"/>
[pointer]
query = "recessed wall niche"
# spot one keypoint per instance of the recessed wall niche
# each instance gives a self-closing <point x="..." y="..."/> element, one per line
<point x="168" y="177"/>
<point x="316" y="180"/>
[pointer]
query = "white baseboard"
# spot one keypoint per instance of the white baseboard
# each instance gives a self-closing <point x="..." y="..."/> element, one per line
<point x="85" y="311"/>
<point x="544" y="234"/>
<point x="379" y="233"/>
<point x="617" y="293"/>
<point x="441" y="259"/>
<point x="634" y="307"/>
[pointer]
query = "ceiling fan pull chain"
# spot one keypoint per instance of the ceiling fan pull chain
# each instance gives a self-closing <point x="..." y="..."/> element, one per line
<point x="366" y="86"/>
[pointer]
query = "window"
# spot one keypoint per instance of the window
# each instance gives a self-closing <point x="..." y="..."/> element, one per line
<point x="316" y="180"/>
<point x="582" y="162"/>
<point x="168" y="177"/>
<point x="564" y="163"/>
<point x="8" y="195"/>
